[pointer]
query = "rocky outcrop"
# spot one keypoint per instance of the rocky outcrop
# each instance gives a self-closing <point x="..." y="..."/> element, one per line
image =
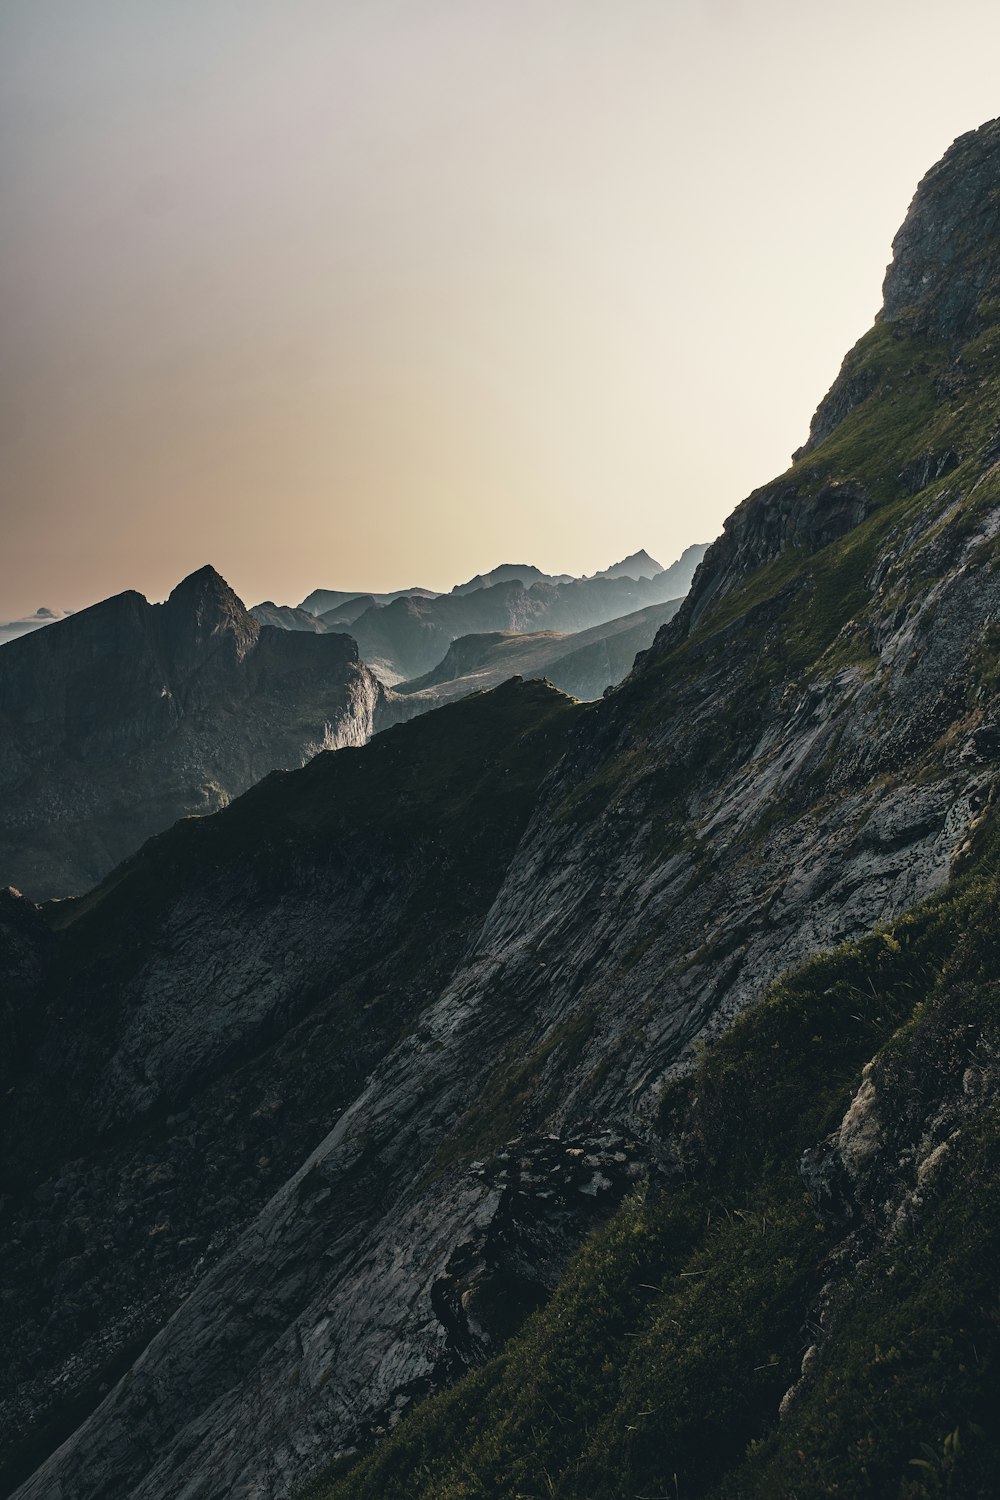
<point x="944" y="257"/>
<point x="773" y="521"/>
<point x="129" y="715"/>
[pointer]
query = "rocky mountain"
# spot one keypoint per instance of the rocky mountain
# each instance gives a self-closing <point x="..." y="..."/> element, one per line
<point x="284" y="617"/>
<point x="582" y="664"/>
<point x="132" y="714"/>
<point x="129" y="715"/>
<point x="623" y="1075"/>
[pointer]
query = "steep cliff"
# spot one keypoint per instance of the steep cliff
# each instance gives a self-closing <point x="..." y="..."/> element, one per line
<point x="801" y="1297"/>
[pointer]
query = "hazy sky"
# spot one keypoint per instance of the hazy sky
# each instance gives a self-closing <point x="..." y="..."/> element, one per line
<point x="365" y="293"/>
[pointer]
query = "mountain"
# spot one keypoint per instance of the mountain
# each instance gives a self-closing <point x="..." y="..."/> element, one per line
<point x="284" y="617"/>
<point x="641" y="565"/>
<point x="322" y="601"/>
<point x="509" y="573"/>
<point x="342" y="616"/>
<point x="129" y="715"/>
<point x="407" y="638"/>
<point x="582" y="664"/>
<point x="583" y="1100"/>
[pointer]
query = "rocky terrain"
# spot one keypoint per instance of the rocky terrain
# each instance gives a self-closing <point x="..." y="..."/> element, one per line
<point x="129" y="715"/>
<point x="312" y="1101"/>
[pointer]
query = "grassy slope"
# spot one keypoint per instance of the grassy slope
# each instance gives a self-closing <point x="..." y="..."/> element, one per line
<point x="657" y="1368"/>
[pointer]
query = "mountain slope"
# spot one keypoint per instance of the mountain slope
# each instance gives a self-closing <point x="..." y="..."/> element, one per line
<point x="809" y="749"/>
<point x="582" y="663"/>
<point x="207" y="1015"/>
<point x="129" y="715"/>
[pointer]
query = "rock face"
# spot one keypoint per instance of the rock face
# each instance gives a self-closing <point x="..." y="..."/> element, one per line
<point x="287" y="1043"/>
<point x="944" y="269"/>
<point x="129" y="715"/>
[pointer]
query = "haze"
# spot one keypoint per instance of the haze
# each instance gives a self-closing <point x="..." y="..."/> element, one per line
<point x="376" y="294"/>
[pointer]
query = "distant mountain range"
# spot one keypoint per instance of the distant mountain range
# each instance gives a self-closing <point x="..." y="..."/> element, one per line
<point x="405" y="636"/>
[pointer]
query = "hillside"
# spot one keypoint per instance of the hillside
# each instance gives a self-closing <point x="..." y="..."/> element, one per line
<point x="581" y="1100"/>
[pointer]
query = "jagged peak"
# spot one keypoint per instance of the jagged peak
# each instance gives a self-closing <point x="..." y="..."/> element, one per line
<point x="203" y="604"/>
<point x="203" y="580"/>
<point x="637" y="565"/>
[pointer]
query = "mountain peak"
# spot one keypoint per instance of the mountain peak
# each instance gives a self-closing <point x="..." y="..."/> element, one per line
<point x="204" y="605"/>
<point x="202" y="580"/>
<point x="636" y="565"/>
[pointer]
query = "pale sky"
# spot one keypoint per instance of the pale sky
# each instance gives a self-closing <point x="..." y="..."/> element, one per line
<point x="370" y="293"/>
